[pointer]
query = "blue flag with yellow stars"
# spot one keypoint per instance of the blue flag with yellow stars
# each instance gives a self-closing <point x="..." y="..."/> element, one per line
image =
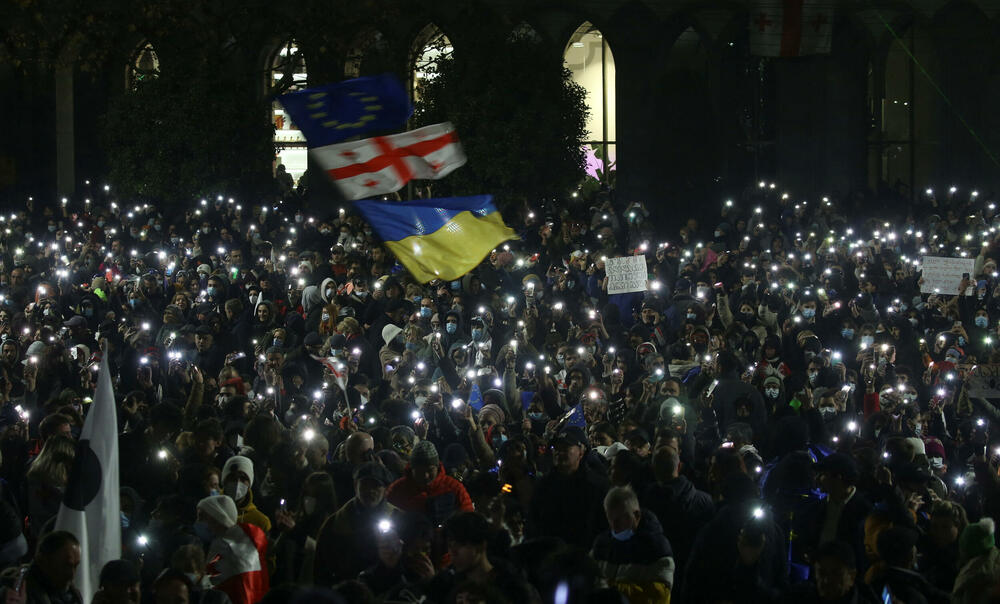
<point x="336" y="112"/>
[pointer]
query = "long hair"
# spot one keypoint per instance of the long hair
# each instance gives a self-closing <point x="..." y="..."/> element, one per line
<point x="54" y="462"/>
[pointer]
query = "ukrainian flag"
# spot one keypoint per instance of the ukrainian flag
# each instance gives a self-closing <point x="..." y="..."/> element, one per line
<point x="438" y="238"/>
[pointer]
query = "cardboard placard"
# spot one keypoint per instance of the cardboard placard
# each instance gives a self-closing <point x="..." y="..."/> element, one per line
<point x="942" y="275"/>
<point x="626" y="274"/>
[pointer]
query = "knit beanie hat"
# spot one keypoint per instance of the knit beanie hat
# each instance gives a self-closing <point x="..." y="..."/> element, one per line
<point x="493" y="414"/>
<point x="977" y="539"/>
<point x="220" y="508"/>
<point x="424" y="454"/>
<point x="238" y="463"/>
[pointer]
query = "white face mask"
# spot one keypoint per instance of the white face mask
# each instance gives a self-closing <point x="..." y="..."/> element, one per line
<point x="309" y="505"/>
<point x="419" y="401"/>
<point x="237" y="492"/>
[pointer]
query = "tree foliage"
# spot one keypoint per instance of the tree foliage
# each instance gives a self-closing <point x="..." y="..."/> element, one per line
<point x="519" y="115"/>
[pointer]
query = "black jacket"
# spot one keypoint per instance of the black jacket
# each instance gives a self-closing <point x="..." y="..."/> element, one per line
<point x="682" y="510"/>
<point x="569" y="507"/>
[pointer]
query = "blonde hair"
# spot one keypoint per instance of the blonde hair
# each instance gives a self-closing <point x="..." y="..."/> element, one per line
<point x="348" y="326"/>
<point x="53" y="463"/>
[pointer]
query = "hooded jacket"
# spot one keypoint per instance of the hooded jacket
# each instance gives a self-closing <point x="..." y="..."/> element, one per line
<point x="249" y="514"/>
<point x="438" y="500"/>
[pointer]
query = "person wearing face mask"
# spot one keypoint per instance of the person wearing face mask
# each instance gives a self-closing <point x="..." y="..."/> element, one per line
<point x="237" y="551"/>
<point x="295" y="549"/>
<point x="633" y="555"/>
<point x="237" y="478"/>
<point x="773" y="393"/>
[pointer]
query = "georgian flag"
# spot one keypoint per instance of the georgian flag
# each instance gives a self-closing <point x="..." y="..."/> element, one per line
<point x="90" y="508"/>
<point x="237" y="564"/>
<point x="384" y="164"/>
<point x="791" y="28"/>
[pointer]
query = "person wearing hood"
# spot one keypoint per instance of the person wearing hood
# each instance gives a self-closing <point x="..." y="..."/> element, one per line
<point x="732" y="390"/>
<point x="634" y="556"/>
<point x="681" y="508"/>
<point x="237" y="480"/>
<point x="391" y="354"/>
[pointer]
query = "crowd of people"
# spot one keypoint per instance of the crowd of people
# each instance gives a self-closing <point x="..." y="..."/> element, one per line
<point x="782" y="416"/>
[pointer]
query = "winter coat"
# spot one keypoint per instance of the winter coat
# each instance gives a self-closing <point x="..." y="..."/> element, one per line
<point x="569" y="507"/>
<point x="440" y="499"/>
<point x="977" y="578"/>
<point x="642" y="566"/>
<point x="682" y="510"/>
<point x="347" y="542"/>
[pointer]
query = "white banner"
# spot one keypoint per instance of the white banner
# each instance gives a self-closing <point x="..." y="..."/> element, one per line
<point x="983" y="382"/>
<point x="942" y="275"/>
<point x="626" y="274"/>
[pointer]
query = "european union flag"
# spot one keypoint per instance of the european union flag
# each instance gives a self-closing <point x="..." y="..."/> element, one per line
<point x="576" y="417"/>
<point x="438" y="238"/>
<point x="336" y="112"/>
<point x="475" y="397"/>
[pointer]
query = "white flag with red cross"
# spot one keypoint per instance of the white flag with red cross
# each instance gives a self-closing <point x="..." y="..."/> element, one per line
<point x="383" y="164"/>
<point x="791" y="28"/>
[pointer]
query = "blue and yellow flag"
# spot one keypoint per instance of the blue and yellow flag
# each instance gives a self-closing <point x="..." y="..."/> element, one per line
<point x="336" y="112"/>
<point x="438" y="238"/>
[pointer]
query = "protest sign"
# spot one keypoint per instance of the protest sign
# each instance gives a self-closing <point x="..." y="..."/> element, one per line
<point x="626" y="274"/>
<point x="942" y="275"/>
<point x="983" y="382"/>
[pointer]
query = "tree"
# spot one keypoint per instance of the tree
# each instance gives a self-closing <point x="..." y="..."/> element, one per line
<point x="519" y="115"/>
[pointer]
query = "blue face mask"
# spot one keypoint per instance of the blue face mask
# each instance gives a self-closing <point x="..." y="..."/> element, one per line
<point x="202" y="531"/>
<point x="536" y="416"/>
<point x="961" y="341"/>
<point x="655" y="377"/>
<point x="808" y="313"/>
<point x="477" y="334"/>
<point x="456" y="285"/>
<point x="426" y="312"/>
<point x="451" y="327"/>
<point x="691" y="316"/>
<point x="981" y="321"/>
<point x="847" y="333"/>
<point x="214" y="492"/>
<point x="411" y="346"/>
<point x="277" y="342"/>
<point x="417" y="299"/>
<point x="623" y="535"/>
<point x="125" y="520"/>
<point x="210" y="291"/>
<point x="133" y="302"/>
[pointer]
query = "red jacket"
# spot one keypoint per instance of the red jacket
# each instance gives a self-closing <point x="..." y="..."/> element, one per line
<point x="440" y="499"/>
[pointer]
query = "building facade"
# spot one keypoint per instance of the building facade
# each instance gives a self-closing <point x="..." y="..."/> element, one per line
<point x="905" y="98"/>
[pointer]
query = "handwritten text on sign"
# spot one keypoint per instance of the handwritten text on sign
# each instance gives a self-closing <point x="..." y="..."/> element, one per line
<point x="983" y="382"/>
<point x="626" y="274"/>
<point x="942" y="275"/>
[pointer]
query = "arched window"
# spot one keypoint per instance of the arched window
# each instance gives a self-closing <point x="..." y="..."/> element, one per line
<point x="588" y="58"/>
<point x="287" y="73"/>
<point x="905" y="134"/>
<point x="430" y="48"/>
<point x="369" y="55"/>
<point x="144" y="64"/>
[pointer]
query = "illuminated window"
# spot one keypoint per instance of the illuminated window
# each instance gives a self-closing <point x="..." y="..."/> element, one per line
<point x="288" y="74"/>
<point x="144" y="65"/>
<point x="430" y="48"/>
<point x="588" y="58"/>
